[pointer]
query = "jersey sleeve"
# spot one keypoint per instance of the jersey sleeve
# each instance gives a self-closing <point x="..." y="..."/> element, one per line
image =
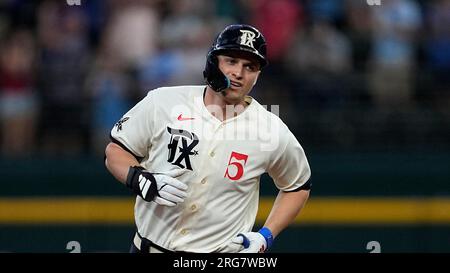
<point x="133" y="132"/>
<point x="289" y="167"/>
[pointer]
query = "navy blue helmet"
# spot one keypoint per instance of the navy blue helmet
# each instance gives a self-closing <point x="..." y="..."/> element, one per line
<point x="234" y="37"/>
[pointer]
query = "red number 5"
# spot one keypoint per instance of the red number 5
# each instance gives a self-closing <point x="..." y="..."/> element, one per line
<point x="236" y="160"/>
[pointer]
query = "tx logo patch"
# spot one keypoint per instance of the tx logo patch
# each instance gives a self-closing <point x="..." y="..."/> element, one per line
<point x="181" y="146"/>
<point x="120" y="122"/>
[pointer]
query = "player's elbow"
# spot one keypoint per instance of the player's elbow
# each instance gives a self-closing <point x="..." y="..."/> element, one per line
<point x="109" y="151"/>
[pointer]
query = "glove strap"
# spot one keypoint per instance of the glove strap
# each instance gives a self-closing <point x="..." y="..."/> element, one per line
<point x="267" y="234"/>
<point x="132" y="182"/>
<point x="133" y="174"/>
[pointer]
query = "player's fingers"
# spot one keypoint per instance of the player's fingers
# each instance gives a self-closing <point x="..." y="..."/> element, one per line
<point x="175" y="183"/>
<point x="176" y="172"/>
<point x="238" y="240"/>
<point x="163" y="202"/>
<point x="245" y="240"/>
<point x="246" y="250"/>
<point x="233" y="247"/>
<point x="172" y="190"/>
<point x="170" y="197"/>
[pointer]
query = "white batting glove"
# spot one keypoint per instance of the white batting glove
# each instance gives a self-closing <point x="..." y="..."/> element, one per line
<point x="171" y="191"/>
<point x="254" y="242"/>
<point x="161" y="188"/>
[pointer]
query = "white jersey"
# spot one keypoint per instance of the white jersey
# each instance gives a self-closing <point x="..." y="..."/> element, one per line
<point x="172" y="128"/>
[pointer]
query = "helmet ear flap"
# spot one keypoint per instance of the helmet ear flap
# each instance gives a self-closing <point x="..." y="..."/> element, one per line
<point x="212" y="74"/>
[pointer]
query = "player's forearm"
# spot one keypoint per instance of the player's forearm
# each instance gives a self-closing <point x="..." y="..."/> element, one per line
<point x="118" y="161"/>
<point x="286" y="207"/>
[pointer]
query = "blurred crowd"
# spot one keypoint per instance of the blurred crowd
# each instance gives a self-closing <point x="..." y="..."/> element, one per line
<point x="346" y="74"/>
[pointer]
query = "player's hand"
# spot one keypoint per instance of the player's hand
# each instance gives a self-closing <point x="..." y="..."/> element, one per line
<point x="171" y="191"/>
<point x="254" y="242"/>
<point x="162" y="188"/>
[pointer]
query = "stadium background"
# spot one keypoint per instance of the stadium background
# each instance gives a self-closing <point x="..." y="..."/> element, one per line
<point x="364" y="87"/>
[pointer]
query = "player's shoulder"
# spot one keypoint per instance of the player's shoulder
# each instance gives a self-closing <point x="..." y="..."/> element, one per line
<point x="173" y="95"/>
<point x="172" y="91"/>
<point x="268" y="120"/>
<point x="268" y="113"/>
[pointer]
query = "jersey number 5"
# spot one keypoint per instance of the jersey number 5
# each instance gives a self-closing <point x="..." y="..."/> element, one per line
<point x="235" y="168"/>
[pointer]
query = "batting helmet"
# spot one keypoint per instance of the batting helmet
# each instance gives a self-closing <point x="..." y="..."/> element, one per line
<point x="234" y="37"/>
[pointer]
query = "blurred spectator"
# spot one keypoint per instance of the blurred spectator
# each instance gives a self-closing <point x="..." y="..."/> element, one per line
<point x="438" y="46"/>
<point x="183" y="18"/>
<point x="359" y="31"/>
<point x="318" y="62"/>
<point x="110" y="94"/>
<point x="278" y="21"/>
<point x="64" y="59"/>
<point x="321" y="48"/>
<point x="393" y="60"/>
<point x="184" y="40"/>
<point x="96" y="12"/>
<point x="232" y="10"/>
<point x="330" y="10"/>
<point x="18" y="101"/>
<point x="132" y="31"/>
<point x="18" y="13"/>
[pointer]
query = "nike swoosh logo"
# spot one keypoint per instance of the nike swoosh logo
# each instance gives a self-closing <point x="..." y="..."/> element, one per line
<point x="180" y="118"/>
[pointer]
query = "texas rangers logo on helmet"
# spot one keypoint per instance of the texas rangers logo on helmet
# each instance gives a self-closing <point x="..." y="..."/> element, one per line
<point x="247" y="38"/>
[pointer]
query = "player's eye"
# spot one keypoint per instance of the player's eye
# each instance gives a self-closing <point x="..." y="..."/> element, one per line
<point x="231" y="61"/>
<point x="251" y="67"/>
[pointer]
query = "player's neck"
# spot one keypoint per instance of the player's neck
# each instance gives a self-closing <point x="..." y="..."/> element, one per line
<point x="219" y="107"/>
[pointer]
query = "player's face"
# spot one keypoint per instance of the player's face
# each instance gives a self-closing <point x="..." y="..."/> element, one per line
<point x="243" y="70"/>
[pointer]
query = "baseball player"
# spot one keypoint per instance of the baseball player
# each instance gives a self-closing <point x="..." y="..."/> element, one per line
<point x="194" y="155"/>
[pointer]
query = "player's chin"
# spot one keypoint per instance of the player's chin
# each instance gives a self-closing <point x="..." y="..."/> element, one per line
<point x="233" y="96"/>
<point x="234" y="91"/>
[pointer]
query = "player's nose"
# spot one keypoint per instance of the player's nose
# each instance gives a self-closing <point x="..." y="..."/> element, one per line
<point x="237" y="71"/>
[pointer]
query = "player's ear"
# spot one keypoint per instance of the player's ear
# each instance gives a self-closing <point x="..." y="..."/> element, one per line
<point x="214" y="77"/>
<point x="256" y="78"/>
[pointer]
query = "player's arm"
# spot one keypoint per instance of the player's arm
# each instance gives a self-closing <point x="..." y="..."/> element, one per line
<point x="286" y="207"/>
<point x="130" y="142"/>
<point x="118" y="161"/>
<point x="162" y="188"/>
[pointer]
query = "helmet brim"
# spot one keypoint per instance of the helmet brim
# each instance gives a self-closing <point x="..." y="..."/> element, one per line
<point x="252" y="52"/>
